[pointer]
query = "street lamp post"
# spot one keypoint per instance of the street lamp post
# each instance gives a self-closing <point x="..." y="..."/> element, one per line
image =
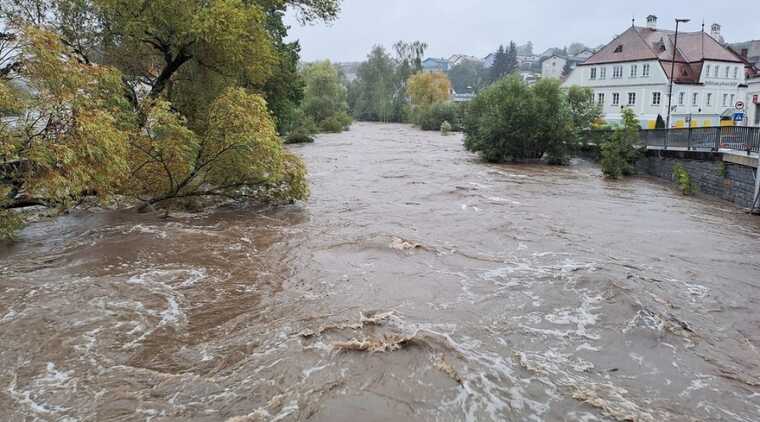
<point x="673" y="68"/>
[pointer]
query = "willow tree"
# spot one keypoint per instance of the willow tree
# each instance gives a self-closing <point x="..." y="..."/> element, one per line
<point x="64" y="131"/>
<point x="156" y="99"/>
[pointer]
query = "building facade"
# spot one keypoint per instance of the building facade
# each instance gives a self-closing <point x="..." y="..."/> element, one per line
<point x="753" y="102"/>
<point x="552" y="66"/>
<point x="634" y="71"/>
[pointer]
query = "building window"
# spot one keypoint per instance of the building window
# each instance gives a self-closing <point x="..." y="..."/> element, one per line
<point x="681" y="98"/>
<point x="736" y="72"/>
<point x="728" y="69"/>
<point x="631" y="98"/>
<point x="617" y="72"/>
<point x="717" y="71"/>
<point x="615" y="98"/>
<point x="725" y="100"/>
<point x="645" y="71"/>
<point x="709" y="99"/>
<point x="600" y="99"/>
<point x="733" y="100"/>
<point x="708" y="70"/>
<point x="619" y="49"/>
<point x="656" y="98"/>
<point x="695" y="99"/>
<point x="603" y="73"/>
<point x="634" y="71"/>
<point x="593" y="73"/>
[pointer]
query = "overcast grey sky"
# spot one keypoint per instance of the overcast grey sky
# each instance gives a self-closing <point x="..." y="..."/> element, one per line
<point x="477" y="27"/>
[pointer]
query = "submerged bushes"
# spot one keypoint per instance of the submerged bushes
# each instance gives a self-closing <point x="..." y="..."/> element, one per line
<point x="511" y="121"/>
<point x="683" y="179"/>
<point x="619" y="153"/>
<point x="325" y="104"/>
<point x="432" y="117"/>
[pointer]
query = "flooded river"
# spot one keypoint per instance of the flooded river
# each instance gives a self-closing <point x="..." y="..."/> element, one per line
<point x="417" y="284"/>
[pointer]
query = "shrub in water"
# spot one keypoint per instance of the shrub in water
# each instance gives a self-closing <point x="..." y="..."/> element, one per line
<point x="619" y="153"/>
<point x="683" y="179"/>
<point x="512" y="121"/>
<point x="445" y="128"/>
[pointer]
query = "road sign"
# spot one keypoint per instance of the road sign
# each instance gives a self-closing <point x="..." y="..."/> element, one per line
<point x="740" y="105"/>
<point x="738" y="117"/>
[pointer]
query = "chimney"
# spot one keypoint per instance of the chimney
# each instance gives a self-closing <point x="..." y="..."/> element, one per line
<point x="652" y="22"/>
<point x="715" y="31"/>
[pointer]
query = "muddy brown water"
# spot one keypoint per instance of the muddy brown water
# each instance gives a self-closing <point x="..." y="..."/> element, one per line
<point x="417" y="284"/>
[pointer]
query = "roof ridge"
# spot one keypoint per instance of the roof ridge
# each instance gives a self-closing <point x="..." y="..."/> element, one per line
<point x="656" y="56"/>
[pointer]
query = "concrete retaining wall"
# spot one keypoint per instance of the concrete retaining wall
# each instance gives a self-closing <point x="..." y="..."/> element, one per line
<point x="714" y="174"/>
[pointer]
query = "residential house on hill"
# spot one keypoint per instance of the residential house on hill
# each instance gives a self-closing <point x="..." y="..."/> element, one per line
<point x="435" y="65"/>
<point x="634" y="71"/>
<point x="460" y="58"/>
<point x="554" y="65"/>
<point x="749" y="50"/>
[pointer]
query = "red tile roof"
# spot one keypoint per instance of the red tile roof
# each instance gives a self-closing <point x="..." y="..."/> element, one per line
<point x="639" y="44"/>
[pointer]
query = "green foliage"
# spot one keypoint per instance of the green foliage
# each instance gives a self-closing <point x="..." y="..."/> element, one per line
<point x="585" y="111"/>
<point x="374" y="90"/>
<point x="298" y="138"/>
<point x="162" y="101"/>
<point x="511" y="121"/>
<point x="722" y="169"/>
<point x="426" y="89"/>
<point x="619" y="153"/>
<point x="505" y="62"/>
<point x="683" y="179"/>
<point x="660" y="123"/>
<point x="445" y="128"/>
<point x="239" y="155"/>
<point x="379" y="92"/>
<point x="432" y="117"/>
<point x="468" y="76"/>
<point x="325" y="98"/>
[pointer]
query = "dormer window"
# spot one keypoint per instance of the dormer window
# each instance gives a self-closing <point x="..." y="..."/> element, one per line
<point x="619" y="49"/>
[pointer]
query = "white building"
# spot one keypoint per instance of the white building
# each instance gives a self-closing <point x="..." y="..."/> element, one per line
<point x="753" y="102"/>
<point x="634" y="71"/>
<point x="552" y="66"/>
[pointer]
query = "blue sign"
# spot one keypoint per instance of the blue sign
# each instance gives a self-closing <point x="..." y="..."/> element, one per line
<point x="738" y="117"/>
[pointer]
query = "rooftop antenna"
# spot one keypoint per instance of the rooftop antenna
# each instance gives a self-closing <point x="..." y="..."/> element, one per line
<point x="703" y="38"/>
<point x="633" y="21"/>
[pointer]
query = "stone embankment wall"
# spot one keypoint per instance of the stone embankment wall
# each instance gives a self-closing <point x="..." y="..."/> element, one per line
<point x="726" y="176"/>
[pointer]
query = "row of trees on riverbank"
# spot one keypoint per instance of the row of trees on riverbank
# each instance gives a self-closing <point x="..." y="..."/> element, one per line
<point x="157" y="101"/>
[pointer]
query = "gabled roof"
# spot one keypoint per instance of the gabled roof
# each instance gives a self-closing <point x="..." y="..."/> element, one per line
<point x="641" y="44"/>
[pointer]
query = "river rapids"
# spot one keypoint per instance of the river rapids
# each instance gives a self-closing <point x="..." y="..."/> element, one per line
<point x="417" y="284"/>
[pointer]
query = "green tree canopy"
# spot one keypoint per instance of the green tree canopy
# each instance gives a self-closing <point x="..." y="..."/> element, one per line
<point x="467" y="76"/>
<point x="325" y="99"/>
<point x="510" y="120"/>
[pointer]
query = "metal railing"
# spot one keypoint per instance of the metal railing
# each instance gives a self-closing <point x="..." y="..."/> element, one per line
<point x="736" y="138"/>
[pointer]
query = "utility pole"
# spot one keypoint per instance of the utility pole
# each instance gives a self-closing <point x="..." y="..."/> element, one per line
<point x="673" y="69"/>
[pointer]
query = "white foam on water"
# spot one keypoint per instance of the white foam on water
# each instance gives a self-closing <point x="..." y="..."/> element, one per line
<point x="172" y="314"/>
<point x="54" y="377"/>
<point x="695" y="385"/>
<point x="24" y="398"/>
<point x="501" y="200"/>
<point x="286" y="411"/>
<point x="139" y="228"/>
<point x="308" y="371"/>
<point x="9" y="316"/>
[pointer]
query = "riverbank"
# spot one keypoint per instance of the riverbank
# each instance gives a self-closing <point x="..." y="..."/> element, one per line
<point x="487" y="292"/>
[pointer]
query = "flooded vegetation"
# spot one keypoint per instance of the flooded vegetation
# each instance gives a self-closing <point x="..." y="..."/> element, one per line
<point x="417" y="283"/>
